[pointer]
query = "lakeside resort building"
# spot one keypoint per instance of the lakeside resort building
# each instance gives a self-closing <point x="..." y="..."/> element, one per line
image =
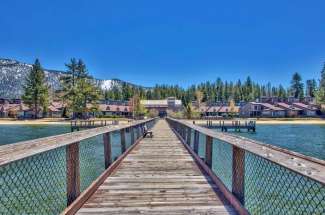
<point x="163" y="105"/>
<point x="266" y="107"/>
<point x="217" y="111"/>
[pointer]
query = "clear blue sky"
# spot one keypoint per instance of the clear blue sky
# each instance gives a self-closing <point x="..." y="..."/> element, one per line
<point x="169" y="41"/>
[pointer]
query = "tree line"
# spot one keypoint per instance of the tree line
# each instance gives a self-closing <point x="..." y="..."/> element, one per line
<point x="224" y="91"/>
<point x="80" y="93"/>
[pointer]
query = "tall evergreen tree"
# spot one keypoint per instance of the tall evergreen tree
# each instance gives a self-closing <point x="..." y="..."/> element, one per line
<point x="297" y="87"/>
<point x="35" y="90"/>
<point x="282" y="93"/>
<point x="321" y="89"/>
<point x="311" y="88"/>
<point x="79" y="89"/>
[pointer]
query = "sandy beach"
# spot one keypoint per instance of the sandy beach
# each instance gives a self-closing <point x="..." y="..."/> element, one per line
<point x="45" y="121"/>
<point x="279" y="121"/>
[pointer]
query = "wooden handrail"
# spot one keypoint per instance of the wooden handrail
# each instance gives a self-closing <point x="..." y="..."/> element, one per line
<point x="206" y="167"/>
<point x="17" y="151"/>
<point x="304" y="165"/>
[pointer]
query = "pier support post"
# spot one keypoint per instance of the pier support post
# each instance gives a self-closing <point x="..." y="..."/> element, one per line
<point x="196" y="141"/>
<point x="123" y="146"/>
<point x="189" y="136"/>
<point x="138" y="131"/>
<point x="208" y="151"/>
<point x="73" y="172"/>
<point x="132" y="135"/>
<point x="107" y="149"/>
<point x="238" y="173"/>
<point x="183" y="132"/>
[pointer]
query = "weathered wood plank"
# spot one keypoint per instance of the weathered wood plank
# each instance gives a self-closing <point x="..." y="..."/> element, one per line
<point x="158" y="177"/>
<point x="208" y="151"/>
<point x="123" y="143"/>
<point x="73" y="172"/>
<point x="107" y="149"/>
<point x="13" y="152"/>
<point x="238" y="173"/>
<point x="312" y="168"/>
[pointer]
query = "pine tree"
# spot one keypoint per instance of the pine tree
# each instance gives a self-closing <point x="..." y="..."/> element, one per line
<point x="198" y="97"/>
<point x="138" y="108"/>
<point x="282" y="93"/>
<point x="311" y="88"/>
<point x="321" y="90"/>
<point x="297" y="87"/>
<point x="79" y="89"/>
<point x="35" y="90"/>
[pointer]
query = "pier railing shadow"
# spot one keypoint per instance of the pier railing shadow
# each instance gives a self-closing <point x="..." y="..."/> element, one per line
<point x="46" y="175"/>
<point x="264" y="179"/>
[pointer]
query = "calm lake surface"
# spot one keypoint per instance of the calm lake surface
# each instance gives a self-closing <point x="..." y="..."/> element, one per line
<point x="260" y="175"/>
<point x="305" y="139"/>
<point x="15" y="133"/>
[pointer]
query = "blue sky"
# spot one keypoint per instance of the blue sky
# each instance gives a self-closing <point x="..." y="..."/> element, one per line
<point x="175" y="42"/>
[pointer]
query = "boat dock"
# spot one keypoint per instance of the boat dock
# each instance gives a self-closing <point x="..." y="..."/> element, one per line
<point x="77" y="125"/>
<point x="235" y="125"/>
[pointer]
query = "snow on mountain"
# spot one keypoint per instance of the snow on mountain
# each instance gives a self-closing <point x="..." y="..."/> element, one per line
<point x="107" y="84"/>
<point x="13" y="74"/>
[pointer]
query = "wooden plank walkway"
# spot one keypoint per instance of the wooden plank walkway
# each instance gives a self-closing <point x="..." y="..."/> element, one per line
<point x="159" y="176"/>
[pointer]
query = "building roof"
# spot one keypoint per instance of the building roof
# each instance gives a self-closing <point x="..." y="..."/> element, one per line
<point x="268" y="106"/>
<point x="155" y="103"/>
<point x="304" y="106"/>
<point x="13" y="107"/>
<point x="53" y="108"/>
<point x="218" y="109"/>
<point x="288" y="106"/>
<point x="272" y="107"/>
<point x="115" y="108"/>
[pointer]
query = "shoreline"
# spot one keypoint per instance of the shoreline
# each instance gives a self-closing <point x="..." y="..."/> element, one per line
<point x="265" y="121"/>
<point x="34" y="122"/>
<point x="45" y="121"/>
<point x="280" y="121"/>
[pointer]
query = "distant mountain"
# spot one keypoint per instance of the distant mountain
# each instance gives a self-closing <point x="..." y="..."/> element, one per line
<point x="13" y="74"/>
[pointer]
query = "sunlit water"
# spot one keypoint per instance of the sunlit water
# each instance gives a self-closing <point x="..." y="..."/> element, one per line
<point x="16" y="133"/>
<point x="263" y="179"/>
<point x="305" y="139"/>
<point x="46" y="172"/>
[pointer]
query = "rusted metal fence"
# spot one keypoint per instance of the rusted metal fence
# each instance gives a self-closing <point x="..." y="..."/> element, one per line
<point x="263" y="178"/>
<point x="46" y="175"/>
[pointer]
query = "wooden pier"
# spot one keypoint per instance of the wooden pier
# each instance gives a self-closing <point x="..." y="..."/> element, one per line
<point x="183" y="169"/>
<point x="158" y="176"/>
<point x="87" y="124"/>
<point x="235" y="125"/>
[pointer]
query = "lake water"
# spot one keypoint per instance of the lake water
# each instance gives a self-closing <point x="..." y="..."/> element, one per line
<point x="46" y="172"/>
<point x="261" y="176"/>
<point x="305" y="139"/>
<point x="15" y="133"/>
